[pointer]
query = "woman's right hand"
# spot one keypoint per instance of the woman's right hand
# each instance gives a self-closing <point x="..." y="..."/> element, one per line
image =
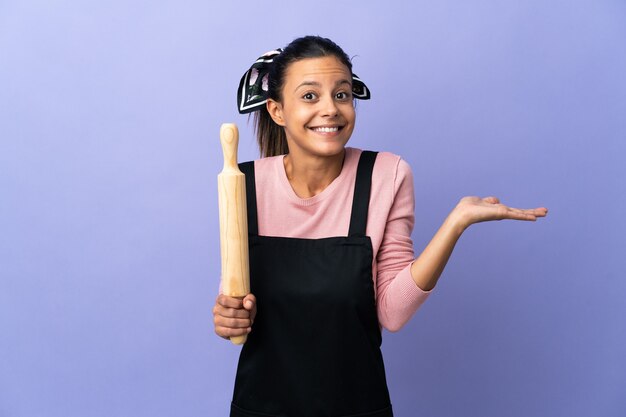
<point x="234" y="316"/>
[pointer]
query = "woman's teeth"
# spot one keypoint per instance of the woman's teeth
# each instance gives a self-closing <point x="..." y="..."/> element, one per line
<point x="326" y="129"/>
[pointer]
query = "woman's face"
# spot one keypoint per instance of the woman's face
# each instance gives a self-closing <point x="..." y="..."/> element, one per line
<point x="317" y="109"/>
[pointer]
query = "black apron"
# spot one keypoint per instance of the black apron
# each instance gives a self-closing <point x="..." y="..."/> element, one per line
<point x="314" y="349"/>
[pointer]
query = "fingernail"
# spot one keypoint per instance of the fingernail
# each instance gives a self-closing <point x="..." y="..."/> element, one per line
<point x="248" y="304"/>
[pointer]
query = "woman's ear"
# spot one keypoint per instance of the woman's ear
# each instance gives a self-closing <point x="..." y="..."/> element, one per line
<point x="275" y="109"/>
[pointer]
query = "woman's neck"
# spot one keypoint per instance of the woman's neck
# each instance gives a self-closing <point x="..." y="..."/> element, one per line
<point x="309" y="176"/>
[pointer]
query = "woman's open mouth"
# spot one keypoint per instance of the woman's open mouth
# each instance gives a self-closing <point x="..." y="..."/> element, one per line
<point x="326" y="129"/>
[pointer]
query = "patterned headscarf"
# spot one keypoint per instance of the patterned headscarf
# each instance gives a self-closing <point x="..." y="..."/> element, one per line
<point x="253" y="90"/>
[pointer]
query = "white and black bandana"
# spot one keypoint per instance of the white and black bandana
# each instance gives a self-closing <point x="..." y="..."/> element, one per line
<point x="253" y="88"/>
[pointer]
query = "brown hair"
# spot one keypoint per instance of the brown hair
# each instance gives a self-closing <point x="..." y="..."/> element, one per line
<point x="270" y="136"/>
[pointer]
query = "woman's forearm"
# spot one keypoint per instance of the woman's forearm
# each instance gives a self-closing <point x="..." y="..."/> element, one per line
<point x="429" y="265"/>
<point x="427" y="268"/>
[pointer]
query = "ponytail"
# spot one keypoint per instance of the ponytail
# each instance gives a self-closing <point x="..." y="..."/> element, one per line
<point x="271" y="137"/>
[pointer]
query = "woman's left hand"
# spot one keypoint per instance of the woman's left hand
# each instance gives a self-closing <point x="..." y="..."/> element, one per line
<point x="472" y="210"/>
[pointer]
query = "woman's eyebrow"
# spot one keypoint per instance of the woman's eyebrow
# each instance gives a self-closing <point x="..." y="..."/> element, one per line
<point x="316" y="84"/>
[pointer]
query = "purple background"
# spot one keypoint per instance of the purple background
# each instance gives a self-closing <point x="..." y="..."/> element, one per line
<point x="109" y="252"/>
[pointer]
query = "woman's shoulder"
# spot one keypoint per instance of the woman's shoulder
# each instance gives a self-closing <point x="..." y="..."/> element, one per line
<point x="388" y="166"/>
<point x="268" y="168"/>
<point x="268" y="161"/>
<point x="391" y="178"/>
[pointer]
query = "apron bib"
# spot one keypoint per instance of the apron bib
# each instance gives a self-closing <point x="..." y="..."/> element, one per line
<point x="315" y="346"/>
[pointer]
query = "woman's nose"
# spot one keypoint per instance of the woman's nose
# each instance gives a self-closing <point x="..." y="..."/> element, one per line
<point x="329" y="107"/>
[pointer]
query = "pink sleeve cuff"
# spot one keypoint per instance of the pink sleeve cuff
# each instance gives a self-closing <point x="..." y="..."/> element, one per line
<point x="411" y="292"/>
<point x="408" y="297"/>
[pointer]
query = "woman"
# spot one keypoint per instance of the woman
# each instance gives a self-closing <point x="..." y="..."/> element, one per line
<point x="331" y="258"/>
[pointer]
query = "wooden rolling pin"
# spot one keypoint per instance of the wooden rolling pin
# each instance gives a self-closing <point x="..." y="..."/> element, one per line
<point x="231" y="186"/>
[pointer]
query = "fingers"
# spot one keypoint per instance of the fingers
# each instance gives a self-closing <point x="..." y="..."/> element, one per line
<point x="249" y="302"/>
<point x="519" y="215"/>
<point x="524" y="214"/>
<point x="231" y="318"/>
<point x="506" y="212"/>
<point x="229" y="302"/>
<point x="227" y="327"/>
<point x="233" y="313"/>
<point x="228" y="332"/>
<point x="233" y="307"/>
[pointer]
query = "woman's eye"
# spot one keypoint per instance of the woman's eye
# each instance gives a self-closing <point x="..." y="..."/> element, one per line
<point x="309" y="96"/>
<point x="342" y="96"/>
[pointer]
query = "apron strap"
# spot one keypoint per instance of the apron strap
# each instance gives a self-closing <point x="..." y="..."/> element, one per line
<point x="248" y="169"/>
<point x="362" y="188"/>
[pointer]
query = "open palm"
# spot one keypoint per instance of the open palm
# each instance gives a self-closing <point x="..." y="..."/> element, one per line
<point x="475" y="210"/>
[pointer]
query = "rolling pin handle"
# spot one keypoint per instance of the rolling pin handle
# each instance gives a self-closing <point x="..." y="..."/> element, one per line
<point x="229" y="136"/>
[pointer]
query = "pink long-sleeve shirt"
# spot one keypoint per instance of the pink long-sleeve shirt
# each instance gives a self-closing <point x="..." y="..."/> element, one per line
<point x="390" y="223"/>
